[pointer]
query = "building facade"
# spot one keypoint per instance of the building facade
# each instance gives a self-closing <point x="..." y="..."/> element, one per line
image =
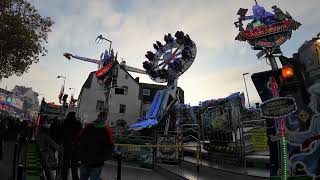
<point x="10" y="104"/>
<point x="30" y="100"/>
<point x="147" y="93"/>
<point x="122" y="102"/>
<point x="91" y="99"/>
<point x="126" y="103"/>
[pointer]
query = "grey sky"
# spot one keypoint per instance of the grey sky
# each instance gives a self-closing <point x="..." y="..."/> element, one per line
<point x="135" y="25"/>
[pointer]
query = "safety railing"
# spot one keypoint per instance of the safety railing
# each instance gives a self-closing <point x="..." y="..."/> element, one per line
<point x="154" y="148"/>
<point x="189" y="133"/>
<point x="52" y="155"/>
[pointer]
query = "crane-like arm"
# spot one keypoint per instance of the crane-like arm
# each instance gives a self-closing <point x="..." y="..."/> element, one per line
<point x="69" y="56"/>
<point x="132" y="69"/>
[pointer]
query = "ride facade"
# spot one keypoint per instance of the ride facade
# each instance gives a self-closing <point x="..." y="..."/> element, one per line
<point x="289" y="94"/>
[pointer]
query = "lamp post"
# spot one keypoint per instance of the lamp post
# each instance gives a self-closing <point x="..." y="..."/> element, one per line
<point x="64" y="79"/>
<point x="72" y="94"/>
<point x="245" y="84"/>
<point x="61" y="94"/>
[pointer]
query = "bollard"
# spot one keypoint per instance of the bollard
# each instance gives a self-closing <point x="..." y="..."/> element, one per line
<point x="119" y="158"/>
<point x="14" y="160"/>
<point x="20" y="171"/>
<point x="198" y="157"/>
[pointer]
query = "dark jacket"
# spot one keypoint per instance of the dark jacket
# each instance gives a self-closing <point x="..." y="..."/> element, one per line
<point x="69" y="132"/>
<point x="95" y="144"/>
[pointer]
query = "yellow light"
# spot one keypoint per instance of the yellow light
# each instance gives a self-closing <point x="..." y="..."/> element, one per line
<point x="287" y="72"/>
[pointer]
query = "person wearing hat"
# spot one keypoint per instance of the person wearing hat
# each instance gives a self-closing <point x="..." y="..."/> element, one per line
<point x="95" y="146"/>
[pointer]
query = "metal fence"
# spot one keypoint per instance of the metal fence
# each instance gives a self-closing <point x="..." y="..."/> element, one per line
<point x="41" y="157"/>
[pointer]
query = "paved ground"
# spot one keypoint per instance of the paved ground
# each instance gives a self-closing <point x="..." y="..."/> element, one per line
<point x="109" y="172"/>
<point x="6" y="162"/>
<point x="129" y="173"/>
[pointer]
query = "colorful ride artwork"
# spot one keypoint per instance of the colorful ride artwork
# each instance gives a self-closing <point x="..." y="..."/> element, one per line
<point x="293" y="133"/>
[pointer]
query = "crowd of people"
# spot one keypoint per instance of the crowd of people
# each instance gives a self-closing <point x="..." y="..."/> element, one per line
<point x="87" y="146"/>
<point x="10" y="128"/>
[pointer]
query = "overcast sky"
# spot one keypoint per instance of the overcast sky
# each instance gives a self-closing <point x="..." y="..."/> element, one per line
<point x="135" y="25"/>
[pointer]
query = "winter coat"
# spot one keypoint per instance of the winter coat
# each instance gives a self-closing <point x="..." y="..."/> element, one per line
<point x="95" y="144"/>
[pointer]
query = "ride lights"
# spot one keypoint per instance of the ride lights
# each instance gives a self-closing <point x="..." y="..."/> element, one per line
<point x="287" y="72"/>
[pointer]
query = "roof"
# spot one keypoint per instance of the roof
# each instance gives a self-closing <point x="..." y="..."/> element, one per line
<point x="4" y="91"/>
<point x="22" y="89"/>
<point x="87" y="83"/>
<point x="154" y="88"/>
<point x="135" y="80"/>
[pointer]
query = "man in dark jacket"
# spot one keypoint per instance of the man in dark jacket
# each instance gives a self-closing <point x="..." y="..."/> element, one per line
<point x="95" y="146"/>
<point x="69" y="131"/>
<point x="3" y="131"/>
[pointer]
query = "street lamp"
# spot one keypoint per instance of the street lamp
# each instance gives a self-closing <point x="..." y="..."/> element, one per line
<point x="64" y="79"/>
<point x="62" y="87"/>
<point x="72" y="91"/>
<point x="245" y="84"/>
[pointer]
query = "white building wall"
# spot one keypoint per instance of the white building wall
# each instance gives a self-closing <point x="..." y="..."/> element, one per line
<point x="131" y="100"/>
<point x="87" y="111"/>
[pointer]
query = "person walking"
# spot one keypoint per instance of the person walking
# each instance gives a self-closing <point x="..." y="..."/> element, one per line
<point x="54" y="131"/>
<point x="70" y="130"/>
<point x="96" y="145"/>
<point x="3" y="131"/>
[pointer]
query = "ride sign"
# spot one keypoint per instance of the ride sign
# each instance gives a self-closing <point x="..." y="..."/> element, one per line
<point x="278" y="107"/>
<point x="267" y="30"/>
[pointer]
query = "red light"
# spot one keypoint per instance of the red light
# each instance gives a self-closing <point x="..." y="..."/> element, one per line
<point x="287" y="72"/>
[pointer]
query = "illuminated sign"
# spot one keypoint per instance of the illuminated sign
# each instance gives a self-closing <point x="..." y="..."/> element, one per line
<point x="278" y="107"/>
<point x="266" y="29"/>
<point x="3" y="97"/>
<point x="9" y="99"/>
<point x="18" y="103"/>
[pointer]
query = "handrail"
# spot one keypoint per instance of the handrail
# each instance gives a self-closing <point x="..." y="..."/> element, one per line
<point x="155" y="145"/>
<point x="198" y="149"/>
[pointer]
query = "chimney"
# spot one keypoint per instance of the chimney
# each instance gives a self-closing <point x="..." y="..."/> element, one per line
<point x="257" y="105"/>
<point x="137" y="79"/>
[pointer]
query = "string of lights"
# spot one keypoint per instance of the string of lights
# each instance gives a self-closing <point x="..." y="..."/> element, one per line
<point x="282" y="134"/>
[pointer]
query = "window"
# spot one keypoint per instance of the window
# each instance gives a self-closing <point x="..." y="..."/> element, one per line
<point x="122" y="108"/>
<point x="119" y="90"/>
<point x="127" y="76"/>
<point x="146" y="92"/>
<point x="100" y="105"/>
<point x="145" y="113"/>
<point x="123" y="90"/>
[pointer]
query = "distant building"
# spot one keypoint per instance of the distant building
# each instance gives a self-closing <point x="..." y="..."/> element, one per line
<point x="126" y="103"/>
<point x="147" y="93"/>
<point x="30" y="99"/>
<point x="10" y="103"/>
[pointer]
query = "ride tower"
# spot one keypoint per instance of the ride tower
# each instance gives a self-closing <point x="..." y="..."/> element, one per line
<point x="166" y="65"/>
<point x="266" y="32"/>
